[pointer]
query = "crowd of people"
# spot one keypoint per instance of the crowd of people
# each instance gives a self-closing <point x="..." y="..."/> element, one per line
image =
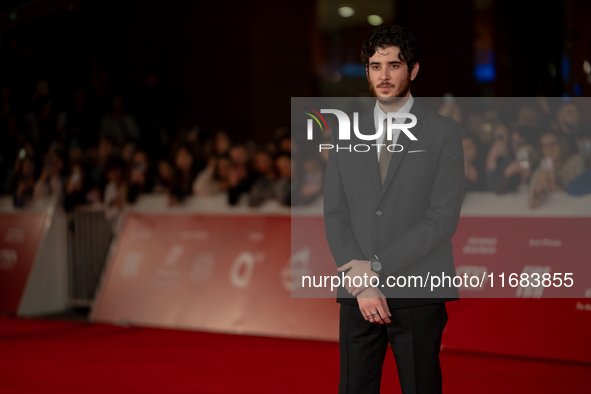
<point x="544" y="147"/>
<point x="102" y="159"/>
<point x="81" y="140"/>
<point x="93" y="142"/>
<point x="93" y="158"/>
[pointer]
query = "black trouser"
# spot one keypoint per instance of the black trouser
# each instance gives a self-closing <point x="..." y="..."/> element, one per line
<point x="415" y="338"/>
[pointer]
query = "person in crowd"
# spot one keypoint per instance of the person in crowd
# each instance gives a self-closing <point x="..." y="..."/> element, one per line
<point x="581" y="185"/>
<point x="13" y="173"/>
<point x="219" y="145"/>
<point x="284" y="144"/>
<point x="474" y="173"/>
<point x="499" y="155"/>
<point x="114" y="193"/>
<point x="106" y="148"/>
<point x="24" y="181"/>
<point x="241" y="177"/>
<point x="517" y="173"/>
<point x="310" y="183"/>
<point x="263" y="186"/>
<point x="75" y="152"/>
<point x="510" y="161"/>
<point x="185" y="170"/>
<point x="282" y="186"/>
<point x="140" y="179"/>
<point x="12" y="139"/>
<point x="62" y="132"/>
<point x="566" y="122"/>
<point x="164" y="177"/>
<point x="127" y="151"/>
<point x="482" y="123"/>
<point x="76" y="185"/>
<point x="557" y="168"/>
<point x="214" y="179"/>
<point x="50" y="181"/>
<point x="533" y="113"/>
<point x="118" y="124"/>
<point x="450" y="108"/>
<point x="584" y="142"/>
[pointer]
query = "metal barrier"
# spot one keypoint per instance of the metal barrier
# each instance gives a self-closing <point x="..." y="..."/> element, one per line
<point x="89" y="238"/>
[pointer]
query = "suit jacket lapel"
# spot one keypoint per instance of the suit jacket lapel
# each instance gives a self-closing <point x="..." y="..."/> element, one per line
<point x="368" y="127"/>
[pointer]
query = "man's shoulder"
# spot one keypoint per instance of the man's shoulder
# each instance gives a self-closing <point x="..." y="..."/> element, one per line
<point x="439" y="125"/>
<point x="434" y="117"/>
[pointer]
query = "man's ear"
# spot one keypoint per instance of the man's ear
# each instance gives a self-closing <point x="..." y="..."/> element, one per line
<point x="366" y="73"/>
<point x="414" y="72"/>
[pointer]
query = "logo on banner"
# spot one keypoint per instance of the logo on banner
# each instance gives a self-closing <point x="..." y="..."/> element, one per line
<point x="531" y="291"/>
<point x="344" y="131"/>
<point x="243" y="268"/>
<point x="299" y="265"/>
<point x="131" y="264"/>
<point x="167" y="274"/>
<point x="555" y="243"/>
<point x="480" y="245"/>
<point x="202" y="266"/>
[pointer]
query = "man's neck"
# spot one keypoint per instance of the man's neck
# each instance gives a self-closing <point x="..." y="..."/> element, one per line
<point x="393" y="104"/>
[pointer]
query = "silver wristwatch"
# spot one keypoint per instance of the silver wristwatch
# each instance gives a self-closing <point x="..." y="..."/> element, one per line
<point x="376" y="266"/>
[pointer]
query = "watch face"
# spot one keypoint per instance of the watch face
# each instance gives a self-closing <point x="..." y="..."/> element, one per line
<point x="376" y="266"/>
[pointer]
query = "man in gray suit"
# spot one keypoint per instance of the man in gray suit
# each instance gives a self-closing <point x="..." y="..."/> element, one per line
<point x="391" y="214"/>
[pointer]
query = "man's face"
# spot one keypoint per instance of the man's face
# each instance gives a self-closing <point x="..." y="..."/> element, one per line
<point x="388" y="76"/>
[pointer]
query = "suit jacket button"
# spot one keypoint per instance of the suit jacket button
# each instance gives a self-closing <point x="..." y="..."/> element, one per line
<point x="378" y="213"/>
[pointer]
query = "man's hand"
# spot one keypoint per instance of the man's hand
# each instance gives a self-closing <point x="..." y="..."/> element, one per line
<point x="372" y="301"/>
<point x="358" y="268"/>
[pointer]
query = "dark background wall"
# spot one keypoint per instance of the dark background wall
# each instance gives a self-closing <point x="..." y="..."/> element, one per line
<point x="231" y="70"/>
<point x="444" y="35"/>
<point x="234" y="66"/>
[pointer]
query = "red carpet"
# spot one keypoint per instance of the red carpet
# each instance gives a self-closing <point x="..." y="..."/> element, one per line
<point x="48" y="356"/>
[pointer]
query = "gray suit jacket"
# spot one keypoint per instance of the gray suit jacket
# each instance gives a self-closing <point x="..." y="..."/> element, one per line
<point x="408" y="222"/>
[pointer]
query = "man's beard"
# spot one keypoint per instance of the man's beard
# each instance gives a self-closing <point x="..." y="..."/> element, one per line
<point x="404" y="88"/>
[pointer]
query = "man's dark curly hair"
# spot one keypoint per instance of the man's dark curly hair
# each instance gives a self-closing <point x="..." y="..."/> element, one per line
<point x="385" y="36"/>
